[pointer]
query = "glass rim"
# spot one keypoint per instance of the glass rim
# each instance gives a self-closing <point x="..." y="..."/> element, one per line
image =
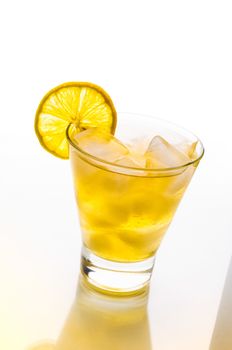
<point x="140" y="169"/>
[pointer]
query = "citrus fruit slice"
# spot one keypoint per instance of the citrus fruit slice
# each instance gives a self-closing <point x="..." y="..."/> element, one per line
<point x="83" y="105"/>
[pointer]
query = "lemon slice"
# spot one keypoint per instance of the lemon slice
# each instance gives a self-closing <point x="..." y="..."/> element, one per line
<point x="83" y="105"/>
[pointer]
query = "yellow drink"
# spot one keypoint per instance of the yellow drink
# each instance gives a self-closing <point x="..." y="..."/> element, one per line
<point x="128" y="188"/>
<point x="124" y="217"/>
<point x="127" y="192"/>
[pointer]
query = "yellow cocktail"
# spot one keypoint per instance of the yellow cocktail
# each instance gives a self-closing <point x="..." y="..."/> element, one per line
<point x="128" y="192"/>
<point x="124" y="217"/>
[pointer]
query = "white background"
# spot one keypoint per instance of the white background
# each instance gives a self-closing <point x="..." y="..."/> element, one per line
<point x="172" y="59"/>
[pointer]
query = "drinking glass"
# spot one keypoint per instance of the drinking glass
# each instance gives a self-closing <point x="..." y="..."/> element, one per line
<point x="125" y="210"/>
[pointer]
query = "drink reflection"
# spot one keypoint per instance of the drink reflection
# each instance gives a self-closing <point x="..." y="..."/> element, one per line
<point x="97" y="321"/>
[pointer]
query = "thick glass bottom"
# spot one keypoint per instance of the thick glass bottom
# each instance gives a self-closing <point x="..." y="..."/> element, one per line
<point x="116" y="277"/>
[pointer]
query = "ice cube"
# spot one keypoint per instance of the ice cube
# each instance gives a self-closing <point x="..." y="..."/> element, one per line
<point x="136" y="157"/>
<point x="189" y="149"/>
<point x="161" y="154"/>
<point x="101" y="144"/>
<point x="132" y="161"/>
<point x="139" y="145"/>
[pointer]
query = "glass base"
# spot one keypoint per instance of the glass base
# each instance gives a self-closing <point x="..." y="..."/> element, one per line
<point x="116" y="277"/>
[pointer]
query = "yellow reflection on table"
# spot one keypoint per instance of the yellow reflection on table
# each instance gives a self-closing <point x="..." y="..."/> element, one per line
<point x="43" y="346"/>
<point x="97" y="321"/>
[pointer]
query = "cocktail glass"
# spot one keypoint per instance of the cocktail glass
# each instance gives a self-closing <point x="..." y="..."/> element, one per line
<point x="125" y="210"/>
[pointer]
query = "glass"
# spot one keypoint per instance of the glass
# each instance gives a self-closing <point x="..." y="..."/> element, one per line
<point x="125" y="211"/>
